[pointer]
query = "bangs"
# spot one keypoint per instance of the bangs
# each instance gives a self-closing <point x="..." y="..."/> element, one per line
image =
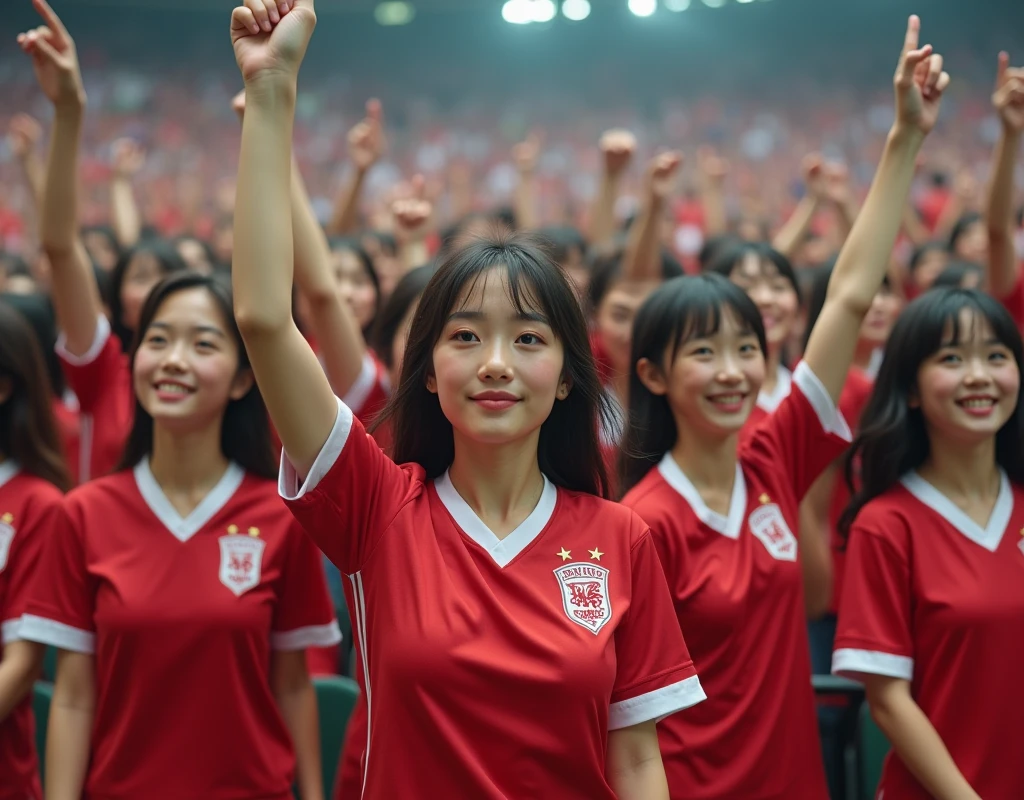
<point x="954" y="332"/>
<point x="520" y="289"/>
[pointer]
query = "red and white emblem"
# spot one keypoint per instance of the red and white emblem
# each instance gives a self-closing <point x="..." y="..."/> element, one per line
<point x="767" y="524"/>
<point x="241" y="558"/>
<point x="585" y="594"/>
<point x="6" y="537"/>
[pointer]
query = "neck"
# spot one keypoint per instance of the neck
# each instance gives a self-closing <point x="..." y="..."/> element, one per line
<point x="771" y="369"/>
<point x="187" y="462"/>
<point x="962" y="469"/>
<point x="500" y="482"/>
<point x="862" y="354"/>
<point x="708" y="463"/>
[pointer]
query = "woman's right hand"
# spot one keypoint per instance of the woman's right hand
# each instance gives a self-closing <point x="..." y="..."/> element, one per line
<point x="54" y="59"/>
<point x="270" y="37"/>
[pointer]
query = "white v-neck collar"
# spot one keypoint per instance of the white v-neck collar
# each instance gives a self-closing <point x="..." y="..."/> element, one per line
<point x="769" y="401"/>
<point x="727" y="526"/>
<point x="501" y="550"/>
<point x="184" y="528"/>
<point x="8" y="469"/>
<point x="988" y="537"/>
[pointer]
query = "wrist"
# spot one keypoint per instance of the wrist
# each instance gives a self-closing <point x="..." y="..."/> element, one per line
<point x="1010" y="133"/>
<point x="905" y="137"/>
<point x="71" y="105"/>
<point x="270" y="88"/>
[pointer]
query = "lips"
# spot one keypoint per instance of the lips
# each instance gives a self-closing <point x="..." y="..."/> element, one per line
<point x="727" y="402"/>
<point x="495" y="400"/>
<point x="172" y="391"/>
<point x="977" y="405"/>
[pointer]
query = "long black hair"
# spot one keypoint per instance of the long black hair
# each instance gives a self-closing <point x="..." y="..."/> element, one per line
<point x="406" y="292"/>
<point x="339" y="244"/>
<point x="730" y="257"/>
<point x="169" y="262"/>
<point x="28" y="430"/>
<point x="568" y="451"/>
<point x="245" y="432"/>
<point x="893" y="438"/>
<point x="679" y="310"/>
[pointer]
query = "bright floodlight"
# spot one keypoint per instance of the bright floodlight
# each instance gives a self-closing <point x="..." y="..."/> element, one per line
<point x="714" y="3"/>
<point x="677" y="5"/>
<point x="744" y="1"/>
<point x="518" y="12"/>
<point x="576" y="9"/>
<point x="543" y="11"/>
<point x="643" y="8"/>
<point x="394" y="13"/>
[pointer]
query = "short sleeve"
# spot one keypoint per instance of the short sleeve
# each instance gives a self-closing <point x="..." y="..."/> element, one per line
<point x="652" y="682"/>
<point x="369" y="393"/>
<point x="23" y="560"/>
<point x="873" y="634"/>
<point x="62" y="602"/>
<point x="304" y="616"/>
<point x="91" y="376"/>
<point x="351" y="494"/>
<point x="804" y="435"/>
<point x="1014" y="301"/>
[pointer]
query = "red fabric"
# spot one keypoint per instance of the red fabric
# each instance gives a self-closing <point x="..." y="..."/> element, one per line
<point x="69" y="427"/>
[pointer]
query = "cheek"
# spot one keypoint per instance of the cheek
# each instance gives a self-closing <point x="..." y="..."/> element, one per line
<point x="789" y="305"/>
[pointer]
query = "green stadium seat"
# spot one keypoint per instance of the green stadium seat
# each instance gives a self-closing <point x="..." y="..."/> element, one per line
<point x="42" y="694"/>
<point x="335" y="699"/>
<point x="873" y="749"/>
<point x="50" y="664"/>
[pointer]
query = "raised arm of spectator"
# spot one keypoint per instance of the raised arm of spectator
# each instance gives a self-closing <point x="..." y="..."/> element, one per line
<point x="962" y="199"/>
<point x="124" y="211"/>
<point x="366" y="145"/>
<point x="526" y="156"/>
<point x="1008" y="100"/>
<point x="791" y="234"/>
<point x="297" y="393"/>
<point x="24" y="136"/>
<point x="838" y="194"/>
<point x="412" y="215"/>
<point x="75" y="295"/>
<point x="712" y="170"/>
<point x="642" y="259"/>
<point x="617" y="148"/>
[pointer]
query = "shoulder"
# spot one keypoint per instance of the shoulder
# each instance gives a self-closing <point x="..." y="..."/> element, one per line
<point x="585" y="510"/>
<point x="894" y="515"/>
<point x="114" y="485"/>
<point x="36" y="491"/>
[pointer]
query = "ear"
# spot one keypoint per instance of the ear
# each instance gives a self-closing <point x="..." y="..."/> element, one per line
<point x="431" y="383"/>
<point x="564" y="388"/>
<point x="241" y="384"/>
<point x="652" y="377"/>
<point x="6" y="388"/>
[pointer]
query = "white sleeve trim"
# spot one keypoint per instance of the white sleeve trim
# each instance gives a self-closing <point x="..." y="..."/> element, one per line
<point x="310" y="636"/>
<point x="289" y="486"/>
<point x="99" y="340"/>
<point x="64" y="637"/>
<point x="656" y="705"/>
<point x="359" y="391"/>
<point x="829" y="415"/>
<point x="853" y="664"/>
<point x="10" y="631"/>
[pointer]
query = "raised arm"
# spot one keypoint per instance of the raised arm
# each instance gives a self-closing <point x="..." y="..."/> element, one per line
<point x="1008" y="100"/>
<point x="642" y="261"/>
<point x="269" y="50"/>
<point x="792" y="233"/>
<point x="411" y="220"/>
<point x="617" y="148"/>
<point x="76" y="297"/>
<point x="366" y="145"/>
<point x="712" y="170"/>
<point x="864" y="259"/>
<point x="526" y="155"/>
<point x="23" y="137"/>
<point x="124" y="211"/>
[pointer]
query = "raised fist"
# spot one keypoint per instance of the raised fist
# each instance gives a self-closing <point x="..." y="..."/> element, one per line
<point x="24" y="135"/>
<point x="712" y="166"/>
<point x="526" y="154"/>
<point x="1008" y="97"/>
<point x="128" y="158"/>
<point x="411" y="210"/>
<point x="661" y="174"/>
<point x="270" y="37"/>
<point x="366" y="143"/>
<point x="617" y="148"/>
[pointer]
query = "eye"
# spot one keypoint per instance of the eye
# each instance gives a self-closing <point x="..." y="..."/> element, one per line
<point x="702" y="350"/>
<point x="464" y="336"/>
<point x="155" y="339"/>
<point x="949" y="358"/>
<point x="749" y="349"/>
<point x="529" y="339"/>
<point x="997" y="355"/>
<point x="205" y="344"/>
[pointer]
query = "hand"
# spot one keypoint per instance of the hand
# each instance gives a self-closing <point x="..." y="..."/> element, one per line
<point x="23" y="135"/>
<point x="366" y="143"/>
<point x="712" y="167"/>
<point x="128" y="158"/>
<point x="661" y="174"/>
<point x="965" y="186"/>
<point x="836" y="183"/>
<point x="1008" y="97"/>
<point x="919" y="83"/>
<point x="54" y="58"/>
<point x="411" y="210"/>
<point x="617" y="148"/>
<point x="238" y="105"/>
<point x="813" y="168"/>
<point x="526" y="154"/>
<point x="270" y="37"/>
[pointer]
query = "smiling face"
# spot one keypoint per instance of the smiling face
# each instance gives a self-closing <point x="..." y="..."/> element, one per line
<point x="968" y="389"/>
<point x="354" y="285"/>
<point x="772" y="292"/>
<point x="497" y="372"/>
<point x="881" y="316"/>
<point x="186" y="368"/>
<point x="614" y="319"/>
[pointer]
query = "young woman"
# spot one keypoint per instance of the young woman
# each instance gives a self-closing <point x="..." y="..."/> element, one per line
<point x="32" y="478"/>
<point x="183" y="569"/>
<point x="933" y="608"/>
<point x="497" y="599"/>
<point x="723" y="517"/>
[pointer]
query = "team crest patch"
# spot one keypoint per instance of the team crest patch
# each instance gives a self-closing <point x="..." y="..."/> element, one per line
<point x="6" y="537"/>
<point x="767" y="524"/>
<point x="241" y="558"/>
<point x="585" y="594"/>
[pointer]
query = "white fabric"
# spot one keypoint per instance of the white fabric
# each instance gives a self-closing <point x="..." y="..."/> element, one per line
<point x="829" y="415"/>
<point x="99" y="340"/>
<point x="289" y="484"/>
<point x="854" y="664"/>
<point x="769" y="401"/>
<point x="730" y="525"/>
<point x="8" y="469"/>
<point x="184" y="528"/>
<point x="310" y="636"/>
<point x="57" y="634"/>
<point x="10" y="631"/>
<point x="656" y="705"/>
<point x="988" y="537"/>
<point x="360" y="390"/>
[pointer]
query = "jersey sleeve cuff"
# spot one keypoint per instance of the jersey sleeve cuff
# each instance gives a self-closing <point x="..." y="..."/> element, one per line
<point x="311" y="636"/>
<point x="358" y="393"/>
<point x="289" y="485"/>
<point x="57" y="634"/>
<point x="99" y="340"/>
<point x="854" y="664"/>
<point x="10" y="631"/>
<point x="657" y="704"/>
<point x="829" y="415"/>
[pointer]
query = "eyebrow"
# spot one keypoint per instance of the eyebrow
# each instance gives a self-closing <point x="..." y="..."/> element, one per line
<point x="479" y="316"/>
<point x="195" y="329"/>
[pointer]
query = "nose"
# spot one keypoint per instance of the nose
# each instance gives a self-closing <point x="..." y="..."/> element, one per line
<point x="729" y="372"/>
<point x="761" y="294"/>
<point x="977" y="373"/>
<point x="175" y="359"/>
<point x="496" y="365"/>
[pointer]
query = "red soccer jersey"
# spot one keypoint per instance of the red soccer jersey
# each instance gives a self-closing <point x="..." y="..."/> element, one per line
<point x="368" y="395"/>
<point x="102" y="382"/>
<point x="738" y="593"/>
<point x="494" y="667"/>
<point x="182" y="615"/>
<point x="1014" y="301"/>
<point x="28" y="509"/>
<point x="938" y="600"/>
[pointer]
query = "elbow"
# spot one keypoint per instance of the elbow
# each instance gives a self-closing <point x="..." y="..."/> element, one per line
<point x="254" y="322"/>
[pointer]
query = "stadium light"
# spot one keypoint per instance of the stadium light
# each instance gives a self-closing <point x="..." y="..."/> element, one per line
<point x="394" y="12"/>
<point x="677" y="5"/>
<point x="518" y="12"/>
<point x="744" y="1"/>
<point x="542" y="11"/>
<point x="643" y="8"/>
<point x="576" y="9"/>
<point x="714" y="3"/>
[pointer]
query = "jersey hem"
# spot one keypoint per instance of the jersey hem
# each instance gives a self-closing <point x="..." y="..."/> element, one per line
<point x="829" y="415"/>
<point x="57" y="634"/>
<point x="10" y="631"/>
<point x="656" y="705"/>
<point x="288" y="485"/>
<point x="309" y="636"/>
<point x="99" y="340"/>
<point x="852" y="663"/>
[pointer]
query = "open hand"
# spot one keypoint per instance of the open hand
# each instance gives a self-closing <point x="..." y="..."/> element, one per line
<point x="1008" y="97"/>
<point x="919" y="82"/>
<point x="54" y="58"/>
<point x="270" y="37"/>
